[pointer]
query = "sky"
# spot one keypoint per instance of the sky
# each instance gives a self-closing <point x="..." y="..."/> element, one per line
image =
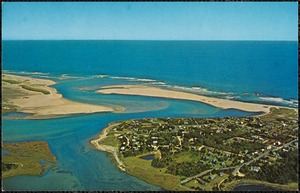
<point x="150" y="21"/>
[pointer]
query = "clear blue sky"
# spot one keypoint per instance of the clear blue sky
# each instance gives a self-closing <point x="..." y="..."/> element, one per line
<point x="150" y="20"/>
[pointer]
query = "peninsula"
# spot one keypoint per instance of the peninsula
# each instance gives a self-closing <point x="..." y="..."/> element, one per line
<point x="207" y="153"/>
<point x="39" y="100"/>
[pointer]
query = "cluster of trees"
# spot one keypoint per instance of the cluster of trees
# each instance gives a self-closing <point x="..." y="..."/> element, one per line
<point x="282" y="172"/>
<point x="6" y="167"/>
<point x="165" y="160"/>
<point x="187" y="168"/>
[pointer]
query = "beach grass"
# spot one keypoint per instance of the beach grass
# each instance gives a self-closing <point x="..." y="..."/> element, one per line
<point x="11" y="81"/>
<point x="26" y="158"/>
<point x="30" y="88"/>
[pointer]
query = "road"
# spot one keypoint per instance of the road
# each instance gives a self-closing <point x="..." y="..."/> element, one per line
<point x="237" y="169"/>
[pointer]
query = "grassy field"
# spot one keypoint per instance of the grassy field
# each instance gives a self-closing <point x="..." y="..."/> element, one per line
<point x="142" y="169"/>
<point x="26" y="158"/>
<point x="210" y="185"/>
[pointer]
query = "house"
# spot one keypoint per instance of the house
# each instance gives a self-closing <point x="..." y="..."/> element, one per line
<point x="255" y="168"/>
<point x="122" y="148"/>
<point x="201" y="181"/>
<point x="211" y="177"/>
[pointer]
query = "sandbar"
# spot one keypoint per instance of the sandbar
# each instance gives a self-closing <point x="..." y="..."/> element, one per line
<point x="141" y="90"/>
<point x="37" y="98"/>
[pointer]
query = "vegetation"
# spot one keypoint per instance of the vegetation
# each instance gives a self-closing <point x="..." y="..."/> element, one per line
<point x="283" y="171"/>
<point x="30" y="88"/>
<point x="10" y="90"/>
<point x="10" y="81"/>
<point x="26" y="158"/>
<point x="208" y="153"/>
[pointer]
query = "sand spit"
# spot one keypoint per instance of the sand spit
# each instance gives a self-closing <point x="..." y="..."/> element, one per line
<point x="36" y="97"/>
<point x="141" y="90"/>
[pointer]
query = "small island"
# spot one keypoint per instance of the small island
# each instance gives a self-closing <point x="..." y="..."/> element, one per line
<point x="207" y="153"/>
<point x="26" y="158"/>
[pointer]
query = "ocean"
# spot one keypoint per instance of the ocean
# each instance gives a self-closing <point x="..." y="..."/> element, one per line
<point x="254" y="71"/>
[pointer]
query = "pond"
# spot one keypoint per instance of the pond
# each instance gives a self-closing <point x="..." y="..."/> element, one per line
<point x="148" y="157"/>
<point x="252" y="187"/>
<point x="4" y="152"/>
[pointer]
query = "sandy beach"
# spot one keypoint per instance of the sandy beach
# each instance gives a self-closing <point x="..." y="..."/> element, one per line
<point x="141" y="90"/>
<point x="36" y="97"/>
<point x="97" y="144"/>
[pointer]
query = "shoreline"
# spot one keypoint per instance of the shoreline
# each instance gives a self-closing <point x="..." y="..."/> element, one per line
<point x="141" y="90"/>
<point x="107" y="148"/>
<point x="36" y="97"/>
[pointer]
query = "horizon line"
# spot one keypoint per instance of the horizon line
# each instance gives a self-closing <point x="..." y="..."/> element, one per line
<point x="136" y="40"/>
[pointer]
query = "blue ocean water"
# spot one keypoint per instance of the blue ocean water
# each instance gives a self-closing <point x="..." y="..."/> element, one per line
<point x="263" y="72"/>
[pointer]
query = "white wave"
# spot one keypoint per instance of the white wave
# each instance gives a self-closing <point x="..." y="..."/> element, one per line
<point x="100" y="76"/>
<point x="145" y="80"/>
<point x="279" y="100"/>
<point x="200" y="90"/>
<point x="231" y="97"/>
<point x="156" y="83"/>
<point x="26" y="73"/>
<point x="122" y="77"/>
<point x="67" y="76"/>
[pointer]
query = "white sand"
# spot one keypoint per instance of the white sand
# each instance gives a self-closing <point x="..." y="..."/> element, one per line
<point x="141" y="90"/>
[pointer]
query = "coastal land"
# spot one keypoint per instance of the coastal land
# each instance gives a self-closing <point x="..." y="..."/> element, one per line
<point x="26" y="158"/>
<point x="141" y="90"/>
<point x="207" y="153"/>
<point x="39" y="100"/>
